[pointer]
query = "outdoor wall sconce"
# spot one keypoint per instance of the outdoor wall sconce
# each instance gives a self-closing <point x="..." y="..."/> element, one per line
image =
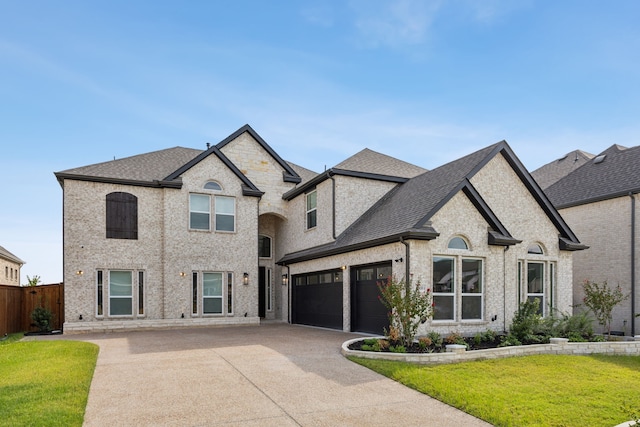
<point x="398" y="259"/>
<point x="245" y="278"/>
<point x="344" y="267"/>
<point x="285" y="279"/>
<point x="80" y="318"/>
<point x="182" y="274"/>
<point x="79" y="272"/>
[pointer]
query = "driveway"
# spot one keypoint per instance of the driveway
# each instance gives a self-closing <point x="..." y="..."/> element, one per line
<point x="270" y="375"/>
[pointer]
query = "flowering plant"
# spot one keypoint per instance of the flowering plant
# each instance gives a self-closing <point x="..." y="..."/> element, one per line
<point x="409" y="306"/>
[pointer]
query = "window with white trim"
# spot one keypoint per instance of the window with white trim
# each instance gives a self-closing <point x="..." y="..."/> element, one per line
<point x="225" y="213"/>
<point x="120" y="293"/>
<point x="458" y="288"/>
<point x="312" y="209"/>
<point x="211" y="293"/>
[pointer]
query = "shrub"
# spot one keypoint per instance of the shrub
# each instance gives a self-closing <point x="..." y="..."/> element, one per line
<point x="435" y="338"/>
<point x="424" y="343"/>
<point x="43" y="319"/>
<point x="601" y="299"/>
<point x="408" y="306"/>
<point x="527" y="326"/>
<point x="397" y="348"/>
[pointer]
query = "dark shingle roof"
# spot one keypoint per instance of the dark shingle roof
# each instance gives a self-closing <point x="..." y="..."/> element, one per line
<point x="9" y="256"/>
<point x="370" y="161"/>
<point x="617" y="174"/>
<point x="148" y="167"/>
<point x="554" y="171"/>
<point x="304" y="173"/>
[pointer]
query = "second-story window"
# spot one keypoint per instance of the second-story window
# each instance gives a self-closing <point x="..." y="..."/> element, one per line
<point x="225" y="213"/>
<point x="312" y="204"/>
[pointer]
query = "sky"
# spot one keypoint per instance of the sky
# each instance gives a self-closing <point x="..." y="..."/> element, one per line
<point x="82" y="82"/>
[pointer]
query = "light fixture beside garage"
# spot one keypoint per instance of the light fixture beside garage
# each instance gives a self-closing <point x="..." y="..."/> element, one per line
<point x="285" y="279"/>
<point x="245" y="278"/>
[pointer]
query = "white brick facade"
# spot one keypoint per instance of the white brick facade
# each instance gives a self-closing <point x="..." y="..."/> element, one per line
<point x="168" y="254"/>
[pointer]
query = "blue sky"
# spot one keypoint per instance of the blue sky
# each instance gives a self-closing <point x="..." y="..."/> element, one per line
<point x="83" y="82"/>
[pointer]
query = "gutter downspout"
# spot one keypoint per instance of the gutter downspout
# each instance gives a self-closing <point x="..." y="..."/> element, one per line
<point x="333" y="204"/>
<point x="289" y="296"/>
<point x="633" y="263"/>
<point x="407" y="264"/>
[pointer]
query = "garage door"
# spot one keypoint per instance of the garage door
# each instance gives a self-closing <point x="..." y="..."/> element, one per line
<point x="368" y="314"/>
<point x="317" y="299"/>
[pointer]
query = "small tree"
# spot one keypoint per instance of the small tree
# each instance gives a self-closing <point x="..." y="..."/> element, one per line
<point x="33" y="281"/>
<point x="408" y="306"/>
<point x="601" y="299"/>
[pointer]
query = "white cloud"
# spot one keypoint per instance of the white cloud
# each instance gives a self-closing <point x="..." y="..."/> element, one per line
<point x="393" y="24"/>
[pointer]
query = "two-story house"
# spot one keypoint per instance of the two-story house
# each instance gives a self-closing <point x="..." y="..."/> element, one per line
<point x="10" y="266"/>
<point x="233" y="234"/>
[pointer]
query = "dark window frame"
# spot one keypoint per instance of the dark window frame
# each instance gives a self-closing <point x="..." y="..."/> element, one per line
<point x="121" y="216"/>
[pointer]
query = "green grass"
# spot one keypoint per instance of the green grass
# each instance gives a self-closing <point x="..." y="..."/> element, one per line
<point x="548" y="390"/>
<point x="45" y="383"/>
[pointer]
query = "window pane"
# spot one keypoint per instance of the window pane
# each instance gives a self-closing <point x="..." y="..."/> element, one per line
<point x="99" y="296"/>
<point x="383" y="273"/>
<point x="312" y="219"/>
<point x="472" y="307"/>
<point x="199" y="221"/>
<point x="457" y="243"/>
<point x="312" y="279"/>
<point x="472" y="276"/>
<point x="535" y="278"/>
<point x="212" y="305"/>
<point x="199" y="203"/>
<point x="140" y="293"/>
<point x="365" y="274"/>
<point x="194" y="290"/>
<point x="264" y="246"/>
<point x="225" y="223"/>
<point x="230" y="293"/>
<point x="312" y="200"/>
<point x="120" y="283"/>
<point x="540" y="298"/>
<point x="212" y="284"/>
<point x="326" y="278"/>
<point x="120" y="306"/>
<point x="443" y="275"/>
<point x="225" y="205"/>
<point x="212" y="185"/>
<point x="443" y="309"/>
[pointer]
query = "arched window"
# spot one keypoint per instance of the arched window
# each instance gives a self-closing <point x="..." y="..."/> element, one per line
<point x="458" y="243"/>
<point x="212" y="185"/>
<point x="122" y="216"/>
<point x="535" y="249"/>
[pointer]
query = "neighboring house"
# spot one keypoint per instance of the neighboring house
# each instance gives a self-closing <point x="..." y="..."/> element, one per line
<point x="599" y="200"/>
<point x="10" y="266"/>
<point x="234" y="234"/>
<point x="552" y="172"/>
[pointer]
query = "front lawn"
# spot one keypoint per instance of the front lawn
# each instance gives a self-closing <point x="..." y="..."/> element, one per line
<point x="546" y="390"/>
<point x="45" y="383"/>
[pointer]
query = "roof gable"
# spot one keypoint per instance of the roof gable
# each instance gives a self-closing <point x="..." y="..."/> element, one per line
<point x="288" y="173"/>
<point x="613" y="173"/>
<point x="554" y="171"/>
<point x="406" y="211"/>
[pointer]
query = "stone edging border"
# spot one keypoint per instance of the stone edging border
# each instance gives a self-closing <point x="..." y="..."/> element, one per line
<point x="557" y="346"/>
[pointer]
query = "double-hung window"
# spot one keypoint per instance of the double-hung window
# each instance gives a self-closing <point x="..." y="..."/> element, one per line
<point x="457" y="282"/>
<point x="212" y="293"/>
<point x="312" y="205"/>
<point x="535" y="284"/>
<point x="199" y="211"/>
<point x="225" y="213"/>
<point x="120" y="293"/>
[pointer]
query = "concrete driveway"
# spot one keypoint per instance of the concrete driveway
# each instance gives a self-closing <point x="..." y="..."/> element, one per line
<point x="269" y="375"/>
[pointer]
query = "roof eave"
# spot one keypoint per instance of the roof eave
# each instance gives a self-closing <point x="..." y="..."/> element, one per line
<point x="329" y="250"/>
<point x="568" y="245"/>
<point x="61" y="176"/>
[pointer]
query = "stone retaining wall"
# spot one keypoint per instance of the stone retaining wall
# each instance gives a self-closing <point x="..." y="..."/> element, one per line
<point x="623" y="348"/>
<point x="145" y="325"/>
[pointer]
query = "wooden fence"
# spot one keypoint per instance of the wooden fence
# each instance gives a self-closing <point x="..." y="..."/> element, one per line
<point x="17" y="303"/>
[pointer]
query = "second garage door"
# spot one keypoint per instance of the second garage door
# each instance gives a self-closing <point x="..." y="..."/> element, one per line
<point x="368" y="314"/>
